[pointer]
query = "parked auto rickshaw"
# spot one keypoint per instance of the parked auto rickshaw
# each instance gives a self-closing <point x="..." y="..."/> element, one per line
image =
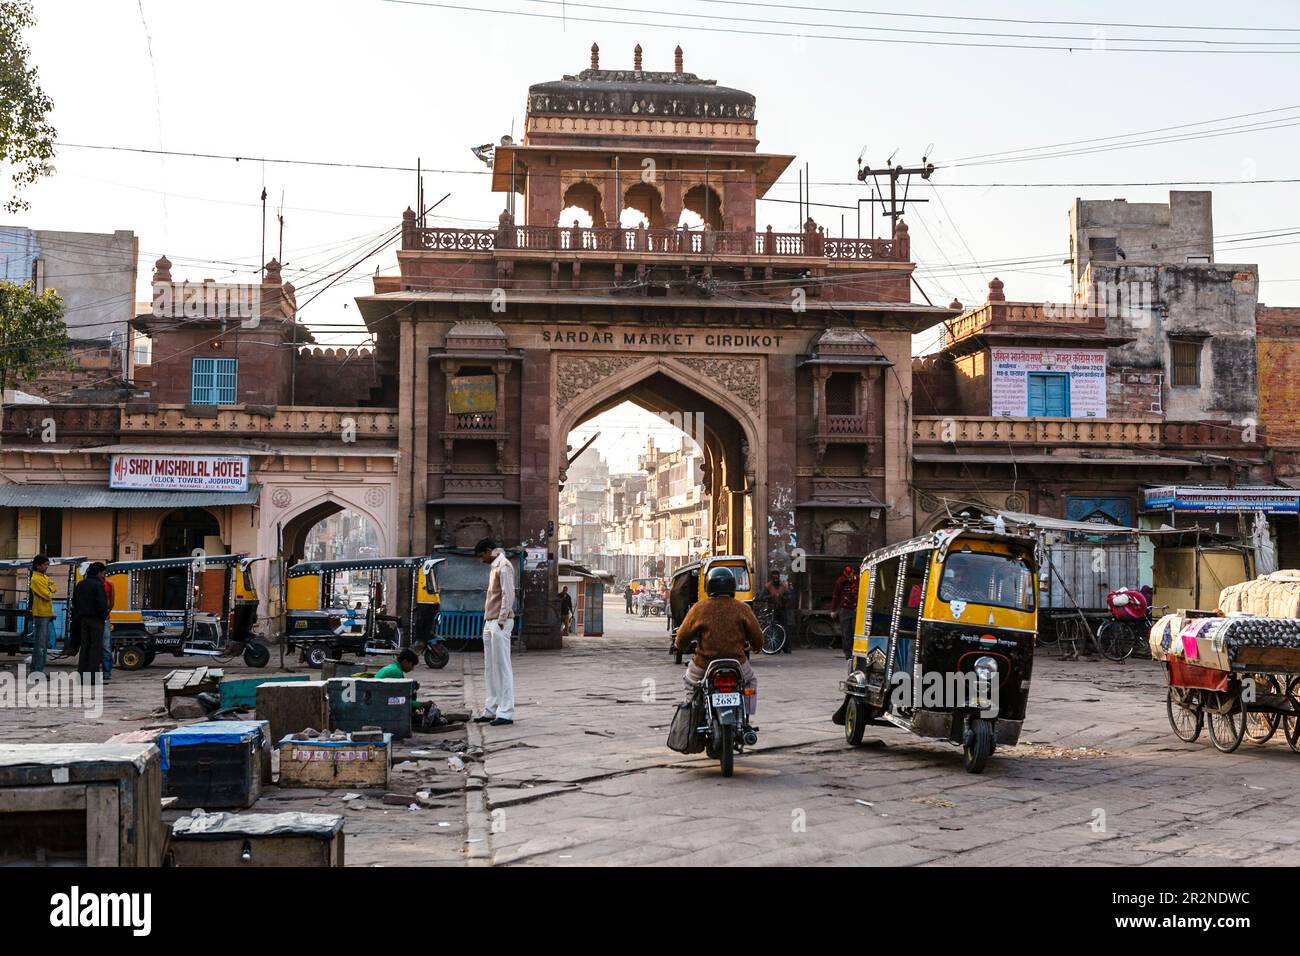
<point x="204" y="606"/>
<point x="321" y="630"/>
<point x="16" y="628"/>
<point x="688" y="587"/>
<point x="944" y="640"/>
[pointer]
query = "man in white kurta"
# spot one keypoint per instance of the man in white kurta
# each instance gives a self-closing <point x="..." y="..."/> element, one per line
<point x="498" y="623"/>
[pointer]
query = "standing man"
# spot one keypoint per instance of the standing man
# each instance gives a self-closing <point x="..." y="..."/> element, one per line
<point x="498" y="622"/>
<point x="566" y="610"/>
<point x="108" y="630"/>
<point x="778" y="593"/>
<point x="43" y="591"/>
<point x="844" y="602"/>
<point x="90" y="602"/>
<point x="627" y="597"/>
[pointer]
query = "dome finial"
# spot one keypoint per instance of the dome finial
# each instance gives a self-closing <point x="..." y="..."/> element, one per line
<point x="595" y="57"/>
<point x="677" y="59"/>
<point x="636" y="58"/>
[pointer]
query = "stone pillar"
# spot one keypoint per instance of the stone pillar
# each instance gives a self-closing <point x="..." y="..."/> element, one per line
<point x="777" y="527"/>
<point x="537" y="484"/>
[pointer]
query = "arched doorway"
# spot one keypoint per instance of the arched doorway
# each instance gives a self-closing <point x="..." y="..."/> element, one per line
<point x="722" y="437"/>
<point x="704" y="204"/>
<point x="183" y="531"/>
<point x="331" y="531"/>
<point x="642" y="203"/>
<point x="582" y="204"/>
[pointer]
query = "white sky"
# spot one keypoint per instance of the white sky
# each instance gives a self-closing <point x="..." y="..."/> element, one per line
<point x="368" y="81"/>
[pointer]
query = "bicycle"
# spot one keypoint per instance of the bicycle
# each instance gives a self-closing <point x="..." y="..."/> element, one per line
<point x="774" y="635"/>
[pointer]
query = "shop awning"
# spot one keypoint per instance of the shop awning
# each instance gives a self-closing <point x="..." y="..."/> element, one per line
<point x="89" y="496"/>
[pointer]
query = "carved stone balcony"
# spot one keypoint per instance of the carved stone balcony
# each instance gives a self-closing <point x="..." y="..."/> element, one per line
<point x="1055" y="432"/>
<point x="291" y="421"/>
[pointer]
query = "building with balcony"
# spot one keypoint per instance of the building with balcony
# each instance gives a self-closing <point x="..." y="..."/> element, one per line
<point x="632" y="263"/>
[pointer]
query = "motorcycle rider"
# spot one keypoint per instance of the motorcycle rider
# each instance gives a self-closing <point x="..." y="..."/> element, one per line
<point x="720" y="626"/>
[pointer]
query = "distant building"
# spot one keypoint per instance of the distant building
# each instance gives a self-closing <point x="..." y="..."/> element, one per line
<point x="95" y="275"/>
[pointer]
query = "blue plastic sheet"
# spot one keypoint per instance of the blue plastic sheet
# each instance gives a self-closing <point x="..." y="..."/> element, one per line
<point x="212" y="732"/>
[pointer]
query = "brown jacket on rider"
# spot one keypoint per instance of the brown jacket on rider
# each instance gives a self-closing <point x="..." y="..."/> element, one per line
<point x="720" y="627"/>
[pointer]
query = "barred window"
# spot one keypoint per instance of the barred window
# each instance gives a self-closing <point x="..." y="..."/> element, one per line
<point x="213" y="381"/>
<point x="1185" y="363"/>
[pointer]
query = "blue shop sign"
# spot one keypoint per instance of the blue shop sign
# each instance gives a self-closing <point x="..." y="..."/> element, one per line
<point x="1222" y="500"/>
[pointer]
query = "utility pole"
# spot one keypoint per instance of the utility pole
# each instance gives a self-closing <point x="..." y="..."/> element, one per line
<point x="896" y="206"/>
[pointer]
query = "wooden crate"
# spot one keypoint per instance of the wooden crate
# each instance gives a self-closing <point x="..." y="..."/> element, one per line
<point x="257" y="839"/>
<point x="242" y="691"/>
<point x="327" y="764"/>
<point x="190" y="683"/>
<point x="356" y="703"/>
<point x="215" y="764"/>
<point x="293" y="707"/>
<point x="83" y="804"/>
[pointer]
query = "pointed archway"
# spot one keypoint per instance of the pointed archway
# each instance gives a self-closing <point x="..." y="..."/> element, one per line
<point x="733" y="432"/>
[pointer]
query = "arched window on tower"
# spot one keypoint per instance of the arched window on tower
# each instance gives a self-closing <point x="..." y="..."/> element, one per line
<point x="582" y="203"/>
<point x="701" y="204"/>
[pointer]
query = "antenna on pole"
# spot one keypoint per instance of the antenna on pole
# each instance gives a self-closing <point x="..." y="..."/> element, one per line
<point x="895" y="208"/>
<point x="280" y="216"/>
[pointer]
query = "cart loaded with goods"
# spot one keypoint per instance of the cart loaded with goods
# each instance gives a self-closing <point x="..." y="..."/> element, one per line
<point x="1236" y="673"/>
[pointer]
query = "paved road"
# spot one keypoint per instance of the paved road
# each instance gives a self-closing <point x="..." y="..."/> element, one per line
<point x="583" y="777"/>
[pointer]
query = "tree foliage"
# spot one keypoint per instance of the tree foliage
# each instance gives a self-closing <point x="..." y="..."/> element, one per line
<point x="26" y="136"/>
<point x="33" y="336"/>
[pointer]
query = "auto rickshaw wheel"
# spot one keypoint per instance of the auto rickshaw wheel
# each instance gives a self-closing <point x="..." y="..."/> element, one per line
<point x="436" y="655"/>
<point x="317" y="655"/>
<point x="256" y="654"/>
<point x="978" y="746"/>
<point x="132" y="657"/>
<point x="855" y="721"/>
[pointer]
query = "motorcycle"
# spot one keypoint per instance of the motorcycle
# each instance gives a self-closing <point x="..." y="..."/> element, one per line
<point x="726" y="727"/>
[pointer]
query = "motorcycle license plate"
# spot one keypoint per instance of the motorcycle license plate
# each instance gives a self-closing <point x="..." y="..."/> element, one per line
<point x="726" y="700"/>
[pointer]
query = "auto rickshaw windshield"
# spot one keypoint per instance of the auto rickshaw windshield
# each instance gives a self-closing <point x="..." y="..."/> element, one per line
<point x="981" y="577"/>
<point x="741" y="574"/>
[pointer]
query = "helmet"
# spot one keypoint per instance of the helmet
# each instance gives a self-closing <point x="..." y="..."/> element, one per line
<point x="720" y="581"/>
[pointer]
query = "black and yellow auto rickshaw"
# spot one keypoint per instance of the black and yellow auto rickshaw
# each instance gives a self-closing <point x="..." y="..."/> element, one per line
<point x="944" y="640"/>
<point x="204" y="605"/>
<point x="16" y="628"/>
<point x="688" y="587"/>
<point x="318" y="620"/>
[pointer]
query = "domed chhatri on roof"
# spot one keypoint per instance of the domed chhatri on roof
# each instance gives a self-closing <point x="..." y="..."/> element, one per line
<point x="639" y="92"/>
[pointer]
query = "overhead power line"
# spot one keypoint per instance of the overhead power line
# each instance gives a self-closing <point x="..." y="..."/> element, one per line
<point x="1089" y="45"/>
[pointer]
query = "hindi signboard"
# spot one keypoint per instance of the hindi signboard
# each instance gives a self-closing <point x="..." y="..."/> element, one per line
<point x="167" y="472"/>
<point x="1085" y="368"/>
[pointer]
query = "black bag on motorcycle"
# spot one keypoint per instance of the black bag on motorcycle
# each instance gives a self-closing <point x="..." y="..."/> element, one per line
<point x="683" y="734"/>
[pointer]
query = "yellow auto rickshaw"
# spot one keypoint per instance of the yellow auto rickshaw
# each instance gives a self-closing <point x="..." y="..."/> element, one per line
<point x="322" y="620"/>
<point x="688" y="587"/>
<point x="205" y="605"/>
<point x="944" y="640"/>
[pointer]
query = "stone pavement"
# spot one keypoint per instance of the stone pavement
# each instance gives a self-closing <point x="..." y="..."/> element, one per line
<point x="583" y="776"/>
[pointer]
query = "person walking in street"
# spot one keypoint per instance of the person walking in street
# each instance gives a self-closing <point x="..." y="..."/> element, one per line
<point x="90" y="604"/>
<point x="627" y="597"/>
<point x="844" y="602"/>
<point x="566" y="611"/>
<point x="498" y="622"/>
<point x="778" y="595"/>
<point x="41" y="603"/>
<point x="108" y="631"/>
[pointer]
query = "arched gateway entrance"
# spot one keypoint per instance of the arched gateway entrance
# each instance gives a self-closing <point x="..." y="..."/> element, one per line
<point x="731" y="435"/>
<point x="792" y="345"/>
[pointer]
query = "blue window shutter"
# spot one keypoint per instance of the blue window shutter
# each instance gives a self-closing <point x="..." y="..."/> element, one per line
<point x="214" y="381"/>
<point x="201" y="382"/>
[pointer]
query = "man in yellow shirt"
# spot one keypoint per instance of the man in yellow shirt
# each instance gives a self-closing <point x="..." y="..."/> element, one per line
<point x="42" y="608"/>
